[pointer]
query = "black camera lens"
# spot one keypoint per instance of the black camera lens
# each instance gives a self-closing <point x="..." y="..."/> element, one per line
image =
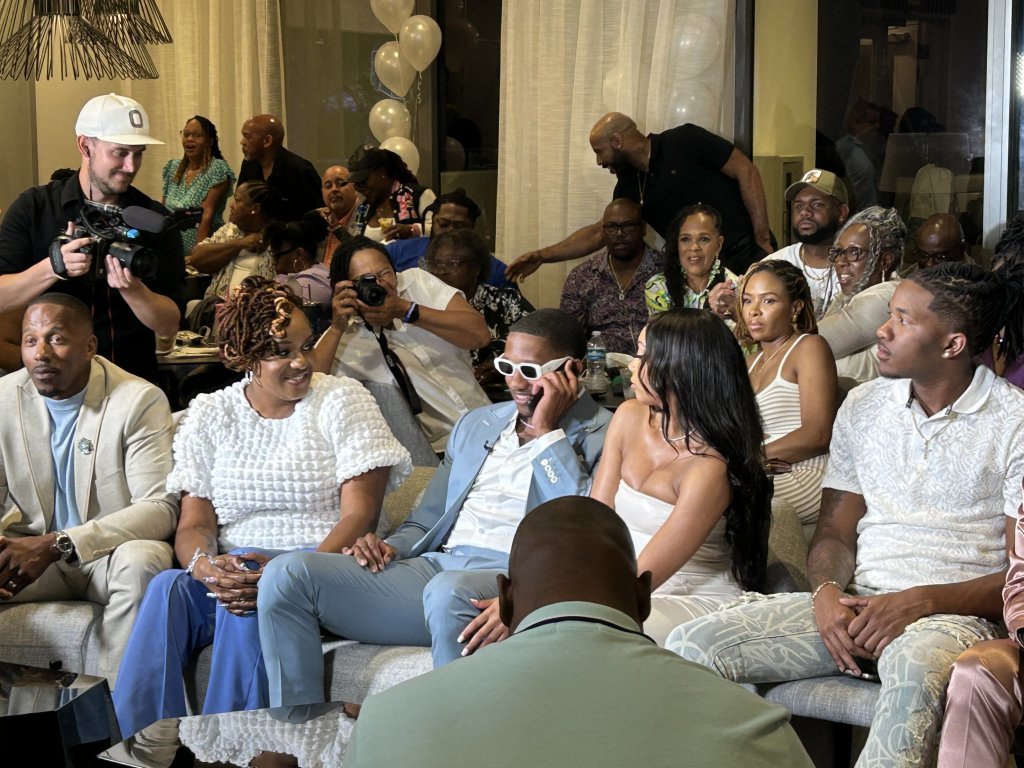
<point x="371" y="292"/>
<point x="137" y="259"/>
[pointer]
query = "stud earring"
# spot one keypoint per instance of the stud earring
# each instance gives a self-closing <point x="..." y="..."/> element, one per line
<point x="945" y="354"/>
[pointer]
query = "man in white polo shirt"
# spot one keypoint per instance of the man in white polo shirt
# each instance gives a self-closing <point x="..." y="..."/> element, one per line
<point x="920" y="498"/>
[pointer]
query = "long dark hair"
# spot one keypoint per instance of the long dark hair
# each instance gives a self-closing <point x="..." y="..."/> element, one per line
<point x="670" y="266"/>
<point x="694" y="366"/>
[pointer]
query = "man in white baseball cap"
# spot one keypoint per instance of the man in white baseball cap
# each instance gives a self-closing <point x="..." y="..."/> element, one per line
<point x="112" y="133"/>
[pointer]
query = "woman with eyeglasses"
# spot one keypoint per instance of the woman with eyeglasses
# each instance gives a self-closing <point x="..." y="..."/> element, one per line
<point x="201" y="177"/>
<point x="866" y="255"/>
<point x="692" y="274"/>
<point x="408" y="329"/>
<point x="286" y="459"/>
<point x="687" y="474"/>
<point x="293" y="249"/>
<point x="462" y="259"/>
<point x="793" y="375"/>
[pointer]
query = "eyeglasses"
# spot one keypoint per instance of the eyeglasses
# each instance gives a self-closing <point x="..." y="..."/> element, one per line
<point x="186" y="135"/>
<point x="852" y="254"/>
<point x="936" y="258"/>
<point x="279" y="254"/>
<point x="530" y="371"/>
<point x="446" y="266"/>
<point x="625" y="228"/>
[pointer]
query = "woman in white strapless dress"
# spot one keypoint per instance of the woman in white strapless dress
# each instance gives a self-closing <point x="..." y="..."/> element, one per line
<point x="793" y="373"/>
<point x="682" y="466"/>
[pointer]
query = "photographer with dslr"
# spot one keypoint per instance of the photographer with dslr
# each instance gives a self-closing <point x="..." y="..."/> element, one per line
<point x="128" y="310"/>
<point x="415" y="331"/>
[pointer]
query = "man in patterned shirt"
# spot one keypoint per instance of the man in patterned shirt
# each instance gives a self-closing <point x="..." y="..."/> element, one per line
<point x="920" y="499"/>
<point x="606" y="292"/>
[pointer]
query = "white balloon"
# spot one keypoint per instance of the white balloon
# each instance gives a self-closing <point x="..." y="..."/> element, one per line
<point x="391" y="13"/>
<point x="421" y="40"/>
<point x="393" y="69"/>
<point x="405" y="149"/>
<point x="693" y="102"/>
<point x="389" y="118"/>
<point x="697" y="45"/>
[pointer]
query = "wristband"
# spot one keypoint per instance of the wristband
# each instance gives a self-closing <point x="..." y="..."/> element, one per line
<point x="824" y="584"/>
<point x="413" y="314"/>
<point x="195" y="559"/>
<point x="57" y="258"/>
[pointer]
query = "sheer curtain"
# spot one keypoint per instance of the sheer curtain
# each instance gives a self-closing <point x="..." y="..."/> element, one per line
<point x="565" y="63"/>
<point x="225" y="63"/>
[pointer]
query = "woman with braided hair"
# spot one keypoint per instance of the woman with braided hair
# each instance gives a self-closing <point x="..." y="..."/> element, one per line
<point x="1006" y="354"/>
<point x="866" y="255"/>
<point x="794" y="378"/>
<point x="285" y="459"/>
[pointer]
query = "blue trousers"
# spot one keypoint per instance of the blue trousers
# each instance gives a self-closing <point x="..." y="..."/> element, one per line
<point x="420" y="601"/>
<point x="175" y="621"/>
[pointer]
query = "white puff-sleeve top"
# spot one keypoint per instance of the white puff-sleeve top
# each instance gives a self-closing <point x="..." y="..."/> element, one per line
<point x="274" y="483"/>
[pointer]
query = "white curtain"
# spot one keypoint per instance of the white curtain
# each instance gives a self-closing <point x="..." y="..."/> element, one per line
<point x="225" y="63"/>
<point x="564" y="63"/>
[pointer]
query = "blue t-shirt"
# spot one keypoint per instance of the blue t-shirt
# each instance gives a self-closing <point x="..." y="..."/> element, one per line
<point x="63" y="420"/>
<point x="406" y="254"/>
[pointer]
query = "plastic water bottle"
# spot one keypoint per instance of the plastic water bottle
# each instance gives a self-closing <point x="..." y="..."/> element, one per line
<point x="596" y="379"/>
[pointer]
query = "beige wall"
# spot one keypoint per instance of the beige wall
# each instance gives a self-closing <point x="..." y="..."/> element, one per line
<point x="785" y="78"/>
<point x="17" y="137"/>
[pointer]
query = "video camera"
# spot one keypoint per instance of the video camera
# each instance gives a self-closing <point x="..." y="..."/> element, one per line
<point x="117" y="232"/>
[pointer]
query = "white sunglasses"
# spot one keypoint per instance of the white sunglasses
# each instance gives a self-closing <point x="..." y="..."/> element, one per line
<point x="530" y="371"/>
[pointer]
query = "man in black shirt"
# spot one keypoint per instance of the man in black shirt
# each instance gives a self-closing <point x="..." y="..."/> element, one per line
<point x="267" y="160"/>
<point x="112" y="134"/>
<point x="664" y="172"/>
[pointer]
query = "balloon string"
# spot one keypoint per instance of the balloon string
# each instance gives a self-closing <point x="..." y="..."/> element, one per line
<point x="419" y="98"/>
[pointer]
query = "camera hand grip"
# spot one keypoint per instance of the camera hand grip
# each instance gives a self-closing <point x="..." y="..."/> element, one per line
<point x="57" y="258"/>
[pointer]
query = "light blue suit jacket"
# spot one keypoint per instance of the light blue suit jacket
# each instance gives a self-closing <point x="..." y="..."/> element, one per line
<point x="564" y="468"/>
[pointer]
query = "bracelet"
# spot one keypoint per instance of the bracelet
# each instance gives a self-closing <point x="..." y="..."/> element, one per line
<point x="824" y="584"/>
<point x="195" y="559"/>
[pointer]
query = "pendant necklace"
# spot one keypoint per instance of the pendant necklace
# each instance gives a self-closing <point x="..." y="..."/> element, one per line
<point x="642" y="184"/>
<point x="615" y="277"/>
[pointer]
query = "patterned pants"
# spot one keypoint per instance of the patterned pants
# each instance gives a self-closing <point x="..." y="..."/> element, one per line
<point x="774" y="638"/>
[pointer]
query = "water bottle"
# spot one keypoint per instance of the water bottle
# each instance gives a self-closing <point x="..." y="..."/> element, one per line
<point x="596" y="380"/>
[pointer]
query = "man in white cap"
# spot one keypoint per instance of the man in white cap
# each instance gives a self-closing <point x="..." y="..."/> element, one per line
<point x="820" y="207"/>
<point x="112" y="133"/>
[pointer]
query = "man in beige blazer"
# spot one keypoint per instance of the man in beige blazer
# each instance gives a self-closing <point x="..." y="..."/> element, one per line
<point x="85" y="448"/>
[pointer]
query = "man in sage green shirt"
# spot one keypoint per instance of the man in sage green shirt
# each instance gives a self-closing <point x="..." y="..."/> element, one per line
<point x="577" y="683"/>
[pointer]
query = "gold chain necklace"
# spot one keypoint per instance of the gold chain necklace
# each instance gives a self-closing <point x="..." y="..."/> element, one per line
<point x="642" y="185"/>
<point x="765" y="360"/>
<point x="615" y="277"/>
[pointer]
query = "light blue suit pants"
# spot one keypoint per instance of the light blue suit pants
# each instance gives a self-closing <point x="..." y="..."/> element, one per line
<point x="420" y="601"/>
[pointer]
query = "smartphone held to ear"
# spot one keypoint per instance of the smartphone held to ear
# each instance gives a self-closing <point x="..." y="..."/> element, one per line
<point x="569" y="365"/>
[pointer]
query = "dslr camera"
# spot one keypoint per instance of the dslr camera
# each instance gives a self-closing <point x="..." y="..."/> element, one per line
<point x="370" y="291"/>
<point x="115" y="232"/>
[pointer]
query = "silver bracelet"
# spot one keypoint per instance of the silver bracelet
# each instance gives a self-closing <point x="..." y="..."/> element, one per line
<point x="824" y="584"/>
<point x="199" y="553"/>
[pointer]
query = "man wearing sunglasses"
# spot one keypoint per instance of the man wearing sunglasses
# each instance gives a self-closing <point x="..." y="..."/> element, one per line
<point x="502" y="461"/>
<point x="606" y="292"/>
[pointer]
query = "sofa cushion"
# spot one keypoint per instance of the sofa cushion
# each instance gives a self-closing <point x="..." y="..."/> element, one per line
<point x="839" y="698"/>
<point x="36" y="634"/>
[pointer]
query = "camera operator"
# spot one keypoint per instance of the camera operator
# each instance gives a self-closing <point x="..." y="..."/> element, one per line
<point x="409" y="329"/>
<point x="112" y="134"/>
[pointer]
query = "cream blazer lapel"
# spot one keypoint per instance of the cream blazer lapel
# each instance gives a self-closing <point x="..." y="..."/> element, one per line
<point x="35" y="431"/>
<point x="87" y="433"/>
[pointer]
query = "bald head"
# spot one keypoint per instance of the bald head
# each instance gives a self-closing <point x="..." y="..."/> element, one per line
<point x="618" y="143"/>
<point x="613" y="122"/>
<point x="262" y="136"/>
<point x="272" y="126"/>
<point x="939" y="239"/>
<point x="573" y="548"/>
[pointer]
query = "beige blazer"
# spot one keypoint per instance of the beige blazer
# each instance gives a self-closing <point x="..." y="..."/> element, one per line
<point x="122" y="455"/>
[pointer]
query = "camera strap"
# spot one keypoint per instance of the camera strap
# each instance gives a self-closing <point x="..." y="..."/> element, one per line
<point x="400" y="373"/>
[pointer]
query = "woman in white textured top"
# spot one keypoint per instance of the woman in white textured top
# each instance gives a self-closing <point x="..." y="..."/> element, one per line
<point x="285" y="459"/>
<point x="682" y="465"/>
<point x="794" y="377"/>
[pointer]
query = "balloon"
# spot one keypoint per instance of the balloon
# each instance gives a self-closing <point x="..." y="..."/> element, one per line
<point x="405" y="149"/>
<point x="693" y="102"/>
<point x="393" y="69"/>
<point x="697" y="45"/>
<point x="391" y="13"/>
<point x="454" y="155"/>
<point x="421" y="40"/>
<point x="389" y="118"/>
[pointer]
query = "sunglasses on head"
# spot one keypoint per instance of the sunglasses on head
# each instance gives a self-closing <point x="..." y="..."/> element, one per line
<point x="530" y="371"/>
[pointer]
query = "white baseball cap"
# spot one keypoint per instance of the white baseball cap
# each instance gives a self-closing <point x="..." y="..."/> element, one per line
<point x="116" y="119"/>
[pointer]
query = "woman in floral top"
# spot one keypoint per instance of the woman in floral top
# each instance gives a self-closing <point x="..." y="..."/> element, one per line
<point x="462" y="259"/>
<point x="200" y="178"/>
<point x="692" y="274"/>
